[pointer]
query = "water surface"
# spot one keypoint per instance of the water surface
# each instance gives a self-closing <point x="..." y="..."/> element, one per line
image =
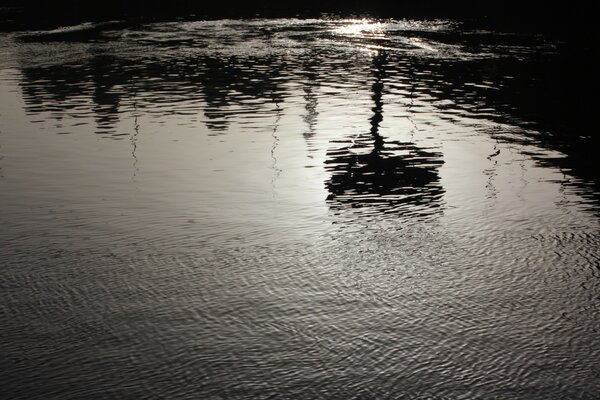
<point x="294" y="209"/>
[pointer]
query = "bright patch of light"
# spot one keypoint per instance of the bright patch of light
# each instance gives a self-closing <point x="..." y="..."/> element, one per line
<point x="362" y="28"/>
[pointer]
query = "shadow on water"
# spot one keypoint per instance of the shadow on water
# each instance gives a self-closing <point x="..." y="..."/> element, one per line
<point x="512" y="79"/>
<point x="389" y="176"/>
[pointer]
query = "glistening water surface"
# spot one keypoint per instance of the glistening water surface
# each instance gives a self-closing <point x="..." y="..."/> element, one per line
<point x="293" y="209"/>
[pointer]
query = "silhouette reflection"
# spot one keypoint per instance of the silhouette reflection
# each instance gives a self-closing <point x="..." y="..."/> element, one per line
<point x="105" y="98"/>
<point x="515" y="80"/>
<point x="221" y="88"/>
<point x="397" y="176"/>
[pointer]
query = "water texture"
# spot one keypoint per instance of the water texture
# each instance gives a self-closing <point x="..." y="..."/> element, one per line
<point x="294" y="209"/>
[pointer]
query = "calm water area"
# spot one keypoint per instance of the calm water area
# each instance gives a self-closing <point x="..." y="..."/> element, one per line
<point x="294" y="209"/>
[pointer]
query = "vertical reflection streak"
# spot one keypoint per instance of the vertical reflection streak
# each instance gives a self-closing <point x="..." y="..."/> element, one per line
<point x="410" y="108"/>
<point x="276" y="169"/>
<point x="377" y="88"/>
<point x="492" y="171"/>
<point x="134" y="138"/>
<point x="310" y="106"/>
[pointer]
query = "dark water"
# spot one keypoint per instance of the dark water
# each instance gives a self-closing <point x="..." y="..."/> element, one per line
<point x="294" y="209"/>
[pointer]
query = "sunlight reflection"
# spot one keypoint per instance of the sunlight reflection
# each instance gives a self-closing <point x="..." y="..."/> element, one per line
<point x="362" y="28"/>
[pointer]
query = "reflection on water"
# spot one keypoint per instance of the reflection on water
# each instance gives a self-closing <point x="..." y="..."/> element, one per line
<point x="498" y="78"/>
<point x="221" y="83"/>
<point x="386" y="175"/>
<point x="302" y="209"/>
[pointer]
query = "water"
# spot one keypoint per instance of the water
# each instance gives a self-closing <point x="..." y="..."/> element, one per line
<point x="294" y="209"/>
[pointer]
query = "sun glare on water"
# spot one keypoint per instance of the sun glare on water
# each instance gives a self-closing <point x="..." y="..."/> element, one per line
<point x="361" y="27"/>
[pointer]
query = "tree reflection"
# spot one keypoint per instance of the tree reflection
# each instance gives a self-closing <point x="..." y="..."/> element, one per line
<point x="105" y="98"/>
<point x="219" y="87"/>
<point x="390" y="176"/>
<point x="523" y="86"/>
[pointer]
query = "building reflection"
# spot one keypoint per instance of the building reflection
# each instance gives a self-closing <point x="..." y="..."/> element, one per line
<point x="390" y="176"/>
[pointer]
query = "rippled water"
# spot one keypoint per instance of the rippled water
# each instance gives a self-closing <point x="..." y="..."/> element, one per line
<point x="293" y="209"/>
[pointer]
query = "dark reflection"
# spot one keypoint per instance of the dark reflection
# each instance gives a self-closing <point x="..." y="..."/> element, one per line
<point x="222" y="88"/>
<point x="215" y="91"/>
<point x="105" y="97"/>
<point x="66" y="90"/>
<point x="234" y="82"/>
<point x="393" y="176"/>
<point x="512" y="79"/>
<point x="519" y="80"/>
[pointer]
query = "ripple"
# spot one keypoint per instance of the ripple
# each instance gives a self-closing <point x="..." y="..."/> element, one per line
<point x="302" y="209"/>
<point x="370" y="318"/>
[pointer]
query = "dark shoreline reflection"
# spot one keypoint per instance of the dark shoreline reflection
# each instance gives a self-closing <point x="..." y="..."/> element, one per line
<point x="389" y="176"/>
<point x="512" y="79"/>
<point x="247" y="83"/>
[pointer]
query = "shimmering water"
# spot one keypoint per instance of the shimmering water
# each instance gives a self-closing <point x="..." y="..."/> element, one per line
<point x="293" y="209"/>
